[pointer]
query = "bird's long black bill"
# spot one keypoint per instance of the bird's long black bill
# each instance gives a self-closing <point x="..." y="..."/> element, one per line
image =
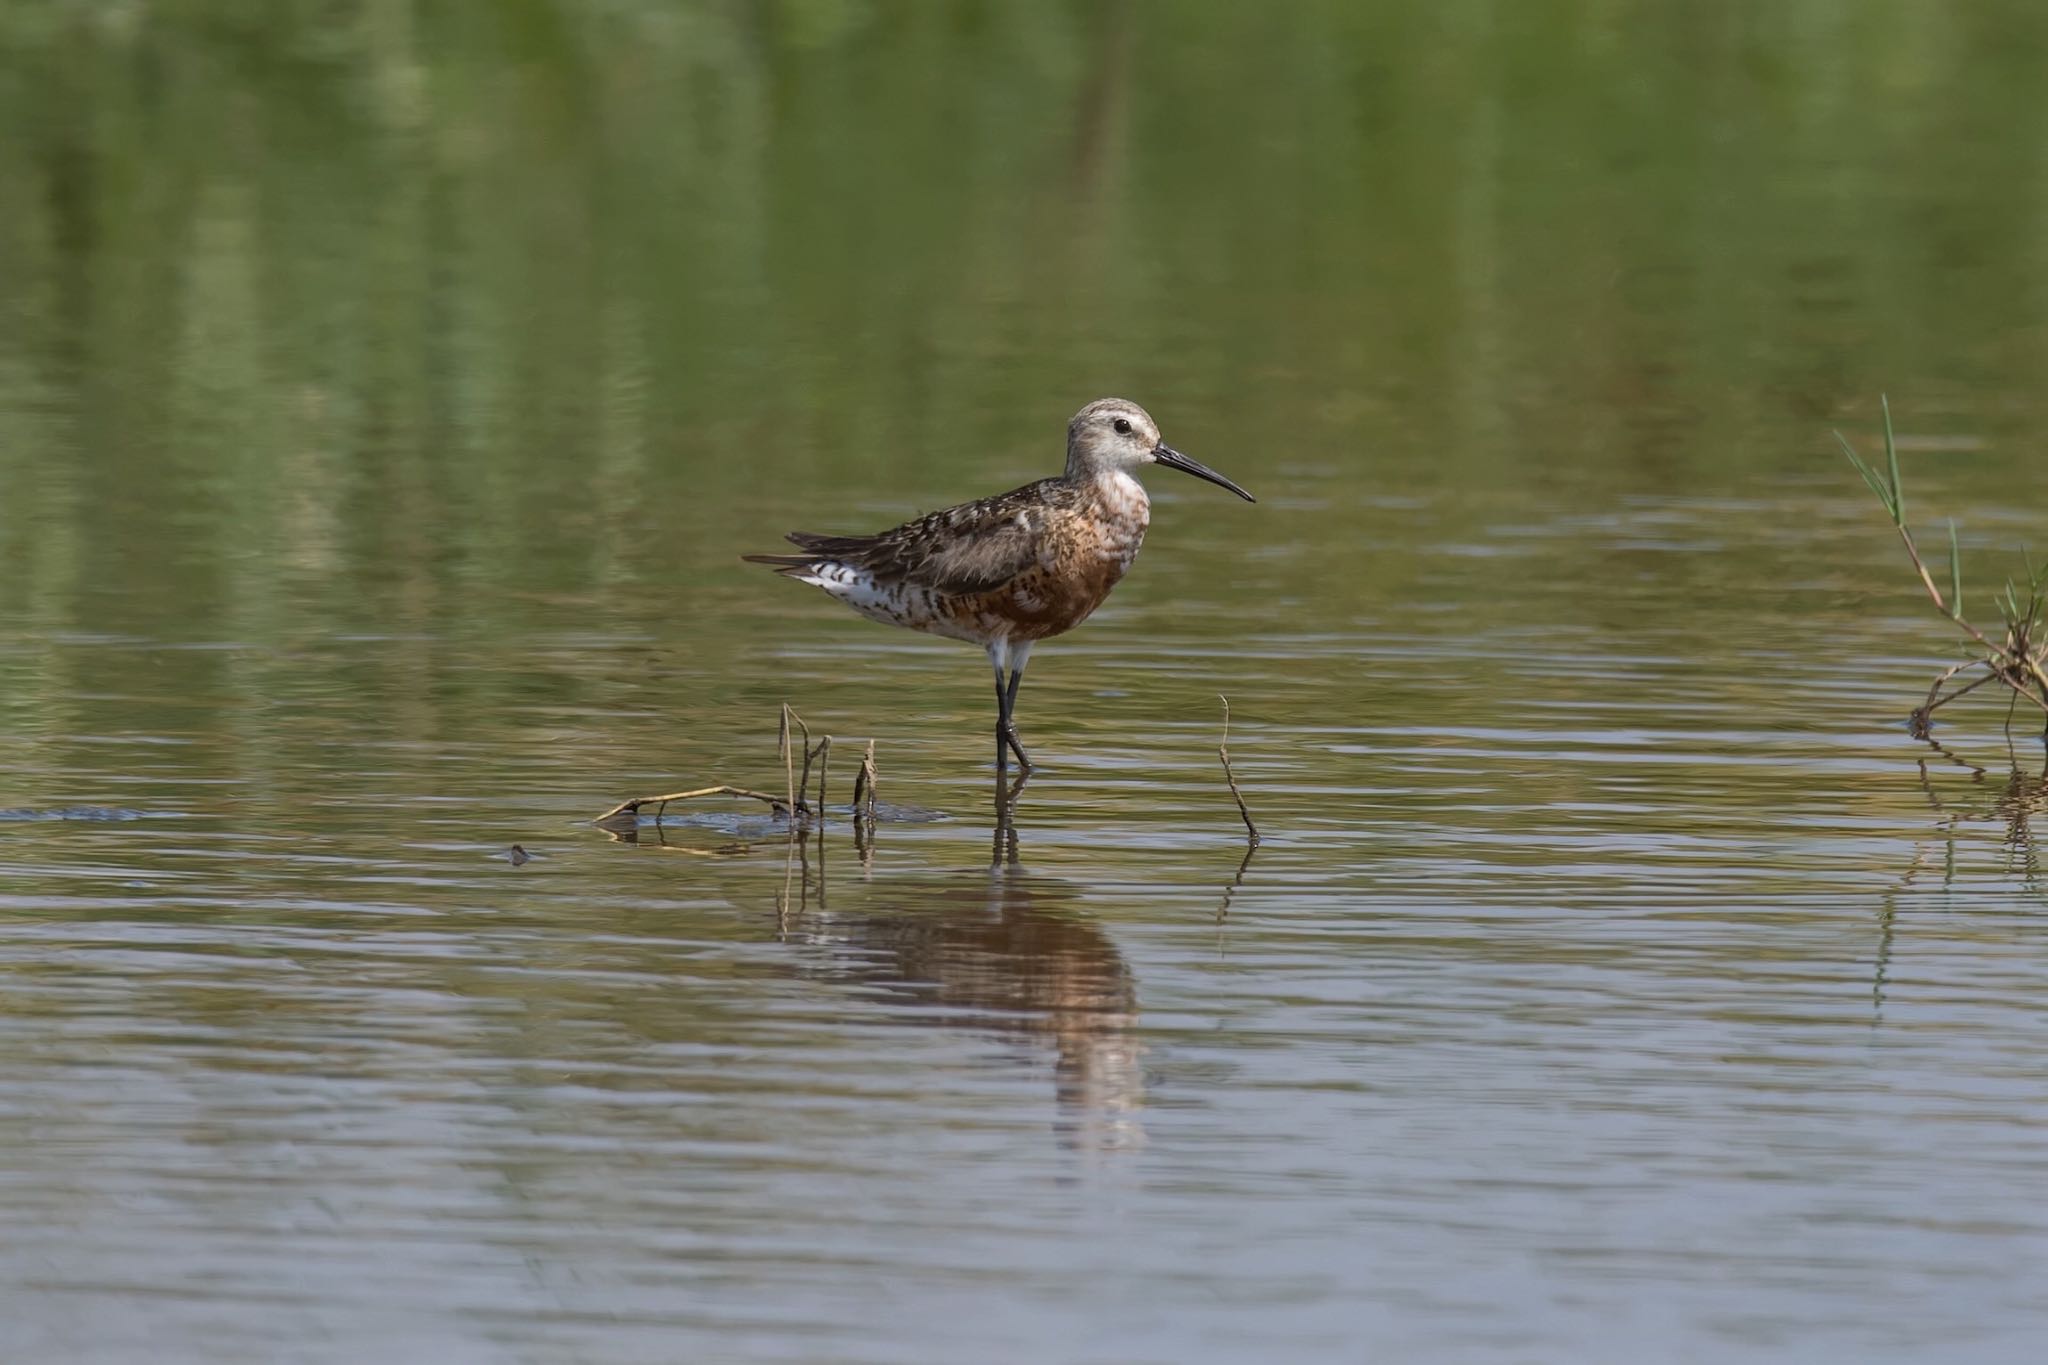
<point x="1173" y="459"/>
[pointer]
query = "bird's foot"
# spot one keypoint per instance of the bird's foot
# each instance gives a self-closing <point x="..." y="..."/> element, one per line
<point x="1008" y="737"/>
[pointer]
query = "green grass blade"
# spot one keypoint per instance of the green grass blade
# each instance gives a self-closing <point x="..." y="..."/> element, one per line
<point x="1891" y="455"/>
<point x="1869" y="475"/>
<point x="1955" y="572"/>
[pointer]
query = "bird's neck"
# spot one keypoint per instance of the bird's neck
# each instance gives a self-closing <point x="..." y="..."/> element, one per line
<point x="1120" y="495"/>
<point x="1124" y="509"/>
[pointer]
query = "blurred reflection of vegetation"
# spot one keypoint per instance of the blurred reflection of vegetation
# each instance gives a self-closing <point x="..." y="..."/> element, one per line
<point x="2010" y="803"/>
<point x="366" y="301"/>
<point x="1964" y="796"/>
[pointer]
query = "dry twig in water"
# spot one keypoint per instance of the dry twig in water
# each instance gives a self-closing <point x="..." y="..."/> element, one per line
<point x="1223" y="752"/>
<point x="782" y="749"/>
<point x="796" y="789"/>
<point x="864" y="785"/>
<point x="632" y="808"/>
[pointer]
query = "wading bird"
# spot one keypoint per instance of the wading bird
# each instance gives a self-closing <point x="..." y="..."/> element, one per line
<point x="1008" y="571"/>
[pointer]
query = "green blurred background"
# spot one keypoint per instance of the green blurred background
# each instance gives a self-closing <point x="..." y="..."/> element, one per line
<point x="346" y="308"/>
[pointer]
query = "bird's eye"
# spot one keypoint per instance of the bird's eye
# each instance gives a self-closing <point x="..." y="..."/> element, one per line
<point x="1123" y="426"/>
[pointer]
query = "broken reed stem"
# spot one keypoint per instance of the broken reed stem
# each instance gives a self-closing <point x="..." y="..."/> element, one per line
<point x="803" y="783"/>
<point x="782" y="749"/>
<point x="796" y="790"/>
<point x="821" y="755"/>
<point x="1934" y="593"/>
<point x="661" y="802"/>
<point x="1935" y="700"/>
<point x="1223" y="752"/>
<point x="864" y="785"/>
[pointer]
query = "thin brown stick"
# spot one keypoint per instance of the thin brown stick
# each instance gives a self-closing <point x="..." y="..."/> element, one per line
<point x="782" y="752"/>
<point x="801" y="792"/>
<point x="1936" y="700"/>
<point x="864" y="785"/>
<point x="1950" y="672"/>
<point x="1933" y="701"/>
<point x="2005" y="675"/>
<point x="1223" y="752"/>
<point x="1927" y="582"/>
<point x="661" y="802"/>
<point x="1934" y="594"/>
<point x="824" y="763"/>
<point x="2040" y="678"/>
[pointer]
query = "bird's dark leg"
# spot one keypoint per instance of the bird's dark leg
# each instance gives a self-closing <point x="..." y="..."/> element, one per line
<point x="1018" y="654"/>
<point x="1002" y="724"/>
<point x="1009" y="730"/>
<point x="1008" y="660"/>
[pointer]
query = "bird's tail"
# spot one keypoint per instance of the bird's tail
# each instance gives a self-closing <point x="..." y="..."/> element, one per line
<point x="823" y="549"/>
<point x="791" y="565"/>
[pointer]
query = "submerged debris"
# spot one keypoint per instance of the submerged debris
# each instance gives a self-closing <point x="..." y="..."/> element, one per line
<point x="795" y="802"/>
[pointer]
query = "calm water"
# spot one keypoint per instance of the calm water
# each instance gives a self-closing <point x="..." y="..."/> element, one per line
<point x="387" y="391"/>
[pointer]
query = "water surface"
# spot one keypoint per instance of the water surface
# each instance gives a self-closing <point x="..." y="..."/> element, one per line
<point x="385" y="398"/>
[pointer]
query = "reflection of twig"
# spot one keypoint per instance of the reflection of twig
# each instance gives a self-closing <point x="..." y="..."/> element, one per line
<point x="782" y="900"/>
<point x="821" y="866"/>
<point x="630" y="834"/>
<point x="1230" y="891"/>
<point x="1887" y="912"/>
<point x="2017" y="801"/>
<point x="864" y="845"/>
<point x="1976" y="771"/>
<point x="1223" y="752"/>
<point x="2022" y="796"/>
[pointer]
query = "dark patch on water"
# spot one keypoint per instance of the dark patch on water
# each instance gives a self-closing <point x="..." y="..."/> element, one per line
<point x="88" y="814"/>
<point x="751" y="826"/>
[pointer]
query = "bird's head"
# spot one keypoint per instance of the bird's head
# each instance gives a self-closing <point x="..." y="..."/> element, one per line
<point x="1115" y="435"/>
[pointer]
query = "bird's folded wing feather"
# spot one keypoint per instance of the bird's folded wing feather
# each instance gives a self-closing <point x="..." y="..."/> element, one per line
<point x="974" y="547"/>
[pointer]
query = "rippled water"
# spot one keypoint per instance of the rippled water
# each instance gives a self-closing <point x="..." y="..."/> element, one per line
<point x="383" y="408"/>
<point x="1581" y="1001"/>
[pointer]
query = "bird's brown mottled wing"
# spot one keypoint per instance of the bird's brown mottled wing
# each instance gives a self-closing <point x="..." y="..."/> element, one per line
<point x="974" y="547"/>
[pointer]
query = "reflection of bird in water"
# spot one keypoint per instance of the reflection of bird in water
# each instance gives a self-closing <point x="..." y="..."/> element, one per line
<point x="1007" y="953"/>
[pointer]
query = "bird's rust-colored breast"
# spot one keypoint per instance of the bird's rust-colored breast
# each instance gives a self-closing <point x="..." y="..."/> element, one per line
<point x="1083" y="552"/>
